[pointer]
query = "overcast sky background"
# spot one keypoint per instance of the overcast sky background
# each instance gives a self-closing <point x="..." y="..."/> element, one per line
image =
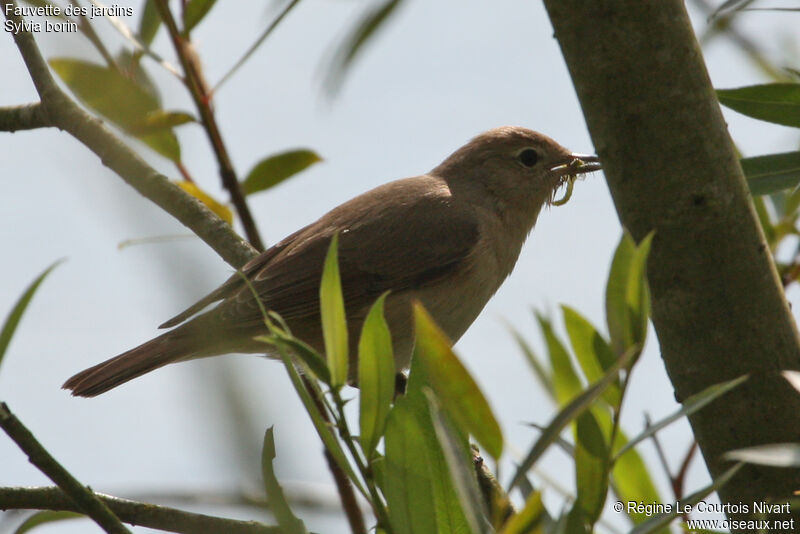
<point x="440" y="73"/>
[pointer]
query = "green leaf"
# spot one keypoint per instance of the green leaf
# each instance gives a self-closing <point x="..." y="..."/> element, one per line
<point x="630" y="477"/>
<point x="118" y="99"/>
<point x="690" y="405"/>
<point x="459" y="463"/>
<point x="627" y="295"/>
<point x="594" y="354"/>
<point x="542" y="374"/>
<point x="568" y="414"/>
<point x="12" y="321"/>
<point x="273" y="170"/>
<point x="566" y="382"/>
<point x="773" y="102"/>
<point x="656" y="523"/>
<point x="323" y="429"/>
<point x="454" y="387"/>
<point x="149" y="23"/>
<point x="772" y="455"/>
<point x="375" y="377"/>
<point x="529" y="519"/>
<point x="406" y="481"/>
<point x="48" y="516"/>
<point x="591" y="468"/>
<point x="316" y="363"/>
<point x="416" y="478"/>
<point x="772" y="173"/>
<point x="354" y="44"/>
<point x="161" y="120"/>
<point x="278" y="504"/>
<point x="194" y="12"/>
<point x="334" y="321"/>
<point x="221" y="210"/>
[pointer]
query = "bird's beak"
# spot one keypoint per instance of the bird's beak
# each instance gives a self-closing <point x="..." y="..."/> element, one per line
<point x="577" y="164"/>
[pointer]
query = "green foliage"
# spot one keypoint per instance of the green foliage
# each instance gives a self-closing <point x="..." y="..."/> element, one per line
<point x="334" y="325"/>
<point x="772" y="102"/>
<point x="14" y="316"/>
<point x="194" y="12"/>
<point x="772" y="173"/>
<point x="376" y="377"/>
<point x="120" y="100"/>
<point x="274" y="169"/>
<point x="278" y="504"/>
<point x="460" y="396"/>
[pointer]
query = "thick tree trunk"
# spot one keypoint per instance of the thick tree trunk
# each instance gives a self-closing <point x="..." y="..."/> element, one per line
<point x="718" y="307"/>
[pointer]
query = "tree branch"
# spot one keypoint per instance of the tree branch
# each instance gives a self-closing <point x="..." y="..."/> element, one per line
<point x="81" y="496"/>
<point x="25" y="117"/>
<point x="59" y="110"/>
<point x="135" y="513"/>
<point x="718" y="306"/>
<point x="202" y="96"/>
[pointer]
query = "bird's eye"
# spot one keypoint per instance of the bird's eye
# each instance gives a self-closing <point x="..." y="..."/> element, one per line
<point x="528" y="157"/>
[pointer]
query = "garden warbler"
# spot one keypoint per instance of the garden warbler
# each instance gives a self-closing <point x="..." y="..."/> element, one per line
<point x="447" y="239"/>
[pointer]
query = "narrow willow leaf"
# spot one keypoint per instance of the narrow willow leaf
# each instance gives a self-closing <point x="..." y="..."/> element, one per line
<point x="334" y="321"/>
<point x="48" y="516"/>
<point x="539" y="370"/>
<point x="323" y="429"/>
<point x="772" y="173"/>
<point x="453" y="385"/>
<point x="591" y="467"/>
<point x="566" y="382"/>
<point x="568" y="414"/>
<point x="161" y="120"/>
<point x="627" y="295"/>
<point x="528" y="520"/>
<point x="778" y="103"/>
<point x="117" y="98"/>
<point x="222" y="211"/>
<point x="773" y="455"/>
<point x="406" y="477"/>
<point x="616" y="290"/>
<point x="316" y="363"/>
<point x="631" y="479"/>
<point x="278" y="504"/>
<point x="459" y="463"/>
<point x="655" y="524"/>
<point x="149" y="22"/>
<point x="194" y="12"/>
<point x="690" y="405"/>
<point x="273" y="170"/>
<point x="14" y="316"/>
<point x="364" y="30"/>
<point x="375" y="377"/>
<point x="729" y="6"/>
<point x="594" y="354"/>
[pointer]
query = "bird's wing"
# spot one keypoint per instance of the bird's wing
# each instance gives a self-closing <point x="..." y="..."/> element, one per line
<point x="398" y="237"/>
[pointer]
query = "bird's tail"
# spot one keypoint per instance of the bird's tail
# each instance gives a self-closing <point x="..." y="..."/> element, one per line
<point x="170" y="347"/>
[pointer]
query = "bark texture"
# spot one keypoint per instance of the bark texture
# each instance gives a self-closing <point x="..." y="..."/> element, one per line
<point x="718" y="306"/>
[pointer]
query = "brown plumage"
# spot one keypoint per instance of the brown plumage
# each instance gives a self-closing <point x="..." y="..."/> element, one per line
<point x="448" y="238"/>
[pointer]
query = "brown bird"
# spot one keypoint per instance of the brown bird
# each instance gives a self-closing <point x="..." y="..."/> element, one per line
<point x="448" y="238"/>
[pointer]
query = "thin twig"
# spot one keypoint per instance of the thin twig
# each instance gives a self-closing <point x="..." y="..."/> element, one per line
<point x="82" y="496"/>
<point x="62" y="112"/>
<point x="24" y="117"/>
<point x="274" y="24"/>
<point x="202" y="99"/>
<point x="136" y="513"/>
